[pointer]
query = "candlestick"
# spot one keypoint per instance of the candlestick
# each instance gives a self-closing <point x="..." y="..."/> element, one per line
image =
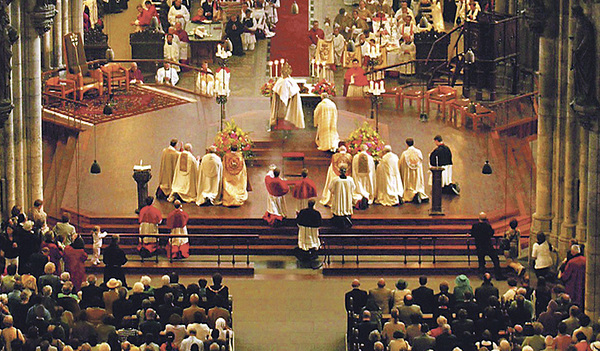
<point x="382" y="86"/>
<point x="371" y="84"/>
<point x="270" y="63"/>
<point x="276" y="64"/>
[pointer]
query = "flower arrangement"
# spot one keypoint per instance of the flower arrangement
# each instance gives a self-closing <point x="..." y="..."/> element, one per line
<point x="232" y="135"/>
<point x="366" y="135"/>
<point x="267" y="88"/>
<point x="323" y="86"/>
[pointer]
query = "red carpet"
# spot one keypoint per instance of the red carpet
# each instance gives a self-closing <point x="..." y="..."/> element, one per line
<point x="125" y="104"/>
<point x="291" y="41"/>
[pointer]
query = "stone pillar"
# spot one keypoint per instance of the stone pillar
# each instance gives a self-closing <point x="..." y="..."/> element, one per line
<point x="17" y="113"/>
<point x="65" y="17"/>
<point x="581" y="232"/>
<point x="57" y="35"/>
<point x="47" y="51"/>
<point x="592" y="244"/>
<point x="77" y="16"/>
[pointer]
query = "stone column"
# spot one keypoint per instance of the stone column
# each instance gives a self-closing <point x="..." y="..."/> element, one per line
<point x="65" y="17"/>
<point x="47" y="51"/>
<point x="77" y="16"/>
<point x="581" y="232"/>
<point x="17" y="113"/>
<point x="57" y="35"/>
<point x="592" y="244"/>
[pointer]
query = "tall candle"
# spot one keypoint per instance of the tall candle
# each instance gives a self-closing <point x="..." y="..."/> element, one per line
<point x="371" y="85"/>
<point x="382" y="86"/>
<point x="270" y="69"/>
<point x="276" y="64"/>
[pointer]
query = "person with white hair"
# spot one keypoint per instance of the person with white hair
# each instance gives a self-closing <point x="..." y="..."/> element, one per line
<point x="186" y="176"/>
<point x="325" y="119"/>
<point x="389" y="182"/>
<point x="574" y="276"/>
<point x="341" y="157"/>
<point x="225" y="333"/>
<point x="363" y="173"/>
<point x="210" y="178"/>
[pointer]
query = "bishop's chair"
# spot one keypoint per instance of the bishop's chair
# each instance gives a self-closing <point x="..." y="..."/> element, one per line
<point x="78" y="69"/>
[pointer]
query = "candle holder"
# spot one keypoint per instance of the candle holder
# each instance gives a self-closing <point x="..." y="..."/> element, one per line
<point x="375" y="90"/>
<point x="222" y="89"/>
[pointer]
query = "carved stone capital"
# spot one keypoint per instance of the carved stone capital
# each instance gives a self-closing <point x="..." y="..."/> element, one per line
<point x="587" y="116"/>
<point x="42" y="17"/>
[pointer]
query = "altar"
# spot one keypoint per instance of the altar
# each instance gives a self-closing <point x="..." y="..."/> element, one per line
<point x="204" y="38"/>
<point x="309" y="102"/>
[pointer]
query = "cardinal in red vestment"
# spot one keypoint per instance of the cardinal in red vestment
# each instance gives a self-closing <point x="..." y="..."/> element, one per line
<point x="277" y="188"/>
<point x="179" y="246"/>
<point x="304" y="190"/>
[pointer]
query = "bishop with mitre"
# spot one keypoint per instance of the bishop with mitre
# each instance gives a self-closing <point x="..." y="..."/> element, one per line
<point x="168" y="162"/>
<point x="303" y="191"/>
<point x="210" y="176"/>
<point x="285" y="102"/>
<point x="389" y="182"/>
<point x="363" y="173"/>
<point x="179" y="247"/>
<point x="411" y="171"/>
<point x="186" y="176"/>
<point x="342" y="157"/>
<point x="325" y="119"/>
<point x="235" y="178"/>
<point x="276" y="189"/>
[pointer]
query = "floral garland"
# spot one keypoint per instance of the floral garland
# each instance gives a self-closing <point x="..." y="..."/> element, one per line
<point x="267" y="88"/>
<point x="366" y="135"/>
<point x="323" y="86"/>
<point x="232" y="135"/>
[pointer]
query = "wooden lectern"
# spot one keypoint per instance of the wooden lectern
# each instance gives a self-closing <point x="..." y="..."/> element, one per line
<point x="142" y="175"/>
<point x="436" y="191"/>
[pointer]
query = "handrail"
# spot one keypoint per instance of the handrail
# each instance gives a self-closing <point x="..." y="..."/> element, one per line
<point x="440" y="38"/>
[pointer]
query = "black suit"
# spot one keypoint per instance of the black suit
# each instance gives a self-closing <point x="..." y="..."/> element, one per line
<point x="37" y="262"/>
<point x="483" y="293"/>
<point x="450" y="297"/>
<point x="159" y="294"/>
<point x="423" y="296"/>
<point x="91" y="296"/>
<point x="446" y="342"/>
<point x="483" y="233"/>
<point x="471" y="307"/>
<point x="165" y="311"/>
<point x="359" y="300"/>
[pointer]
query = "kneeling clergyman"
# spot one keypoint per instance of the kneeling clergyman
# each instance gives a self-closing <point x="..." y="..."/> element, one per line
<point x="342" y="189"/>
<point x="411" y="171"/>
<point x="209" y="178"/>
<point x="339" y="158"/>
<point x="389" y="182"/>
<point x="276" y="188"/>
<point x="363" y="173"/>
<point x="325" y="119"/>
<point x="178" y="247"/>
<point x="168" y="163"/>
<point x="235" y="178"/>
<point x="303" y="191"/>
<point x="309" y="220"/>
<point x="186" y="176"/>
<point x="149" y="219"/>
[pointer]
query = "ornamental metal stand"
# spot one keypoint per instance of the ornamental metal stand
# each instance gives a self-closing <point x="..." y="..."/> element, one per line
<point x="222" y="87"/>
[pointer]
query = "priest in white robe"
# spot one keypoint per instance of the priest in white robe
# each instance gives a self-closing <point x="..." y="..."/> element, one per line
<point x="205" y="81"/>
<point x="389" y="181"/>
<point x="186" y="176"/>
<point x="286" y="103"/>
<point x="171" y="50"/>
<point x="408" y="53"/>
<point x="210" y="178"/>
<point x="363" y="172"/>
<point x="342" y="189"/>
<point x="178" y="13"/>
<point x="339" y="45"/>
<point x="411" y="171"/>
<point x="325" y="119"/>
<point x="167" y="75"/>
<point x="339" y="159"/>
<point x="168" y="163"/>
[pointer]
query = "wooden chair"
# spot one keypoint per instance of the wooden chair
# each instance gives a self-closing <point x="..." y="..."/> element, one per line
<point x="441" y="96"/>
<point x="115" y="74"/>
<point x="396" y="93"/>
<point x="413" y="93"/>
<point x="78" y="69"/>
<point x="56" y="86"/>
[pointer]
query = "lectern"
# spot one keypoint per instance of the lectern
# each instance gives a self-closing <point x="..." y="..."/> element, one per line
<point x="436" y="191"/>
<point x="141" y="175"/>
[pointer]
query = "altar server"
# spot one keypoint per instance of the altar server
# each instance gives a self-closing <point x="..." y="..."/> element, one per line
<point x="235" y="178"/>
<point x="363" y="173"/>
<point x="325" y="119"/>
<point x="168" y="162"/>
<point x="341" y="190"/>
<point x="339" y="158"/>
<point x="411" y="171"/>
<point x="179" y="13"/>
<point x="149" y="219"/>
<point x="178" y="247"/>
<point x="389" y="182"/>
<point x="339" y="45"/>
<point x="303" y="191"/>
<point x="167" y="75"/>
<point x="205" y="80"/>
<point x="210" y="176"/>
<point x="186" y="176"/>
<point x="171" y="49"/>
<point x="276" y="188"/>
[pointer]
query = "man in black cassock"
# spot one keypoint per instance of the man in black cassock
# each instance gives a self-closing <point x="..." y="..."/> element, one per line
<point x="483" y="233"/>
<point x="441" y="156"/>
<point x="234" y="30"/>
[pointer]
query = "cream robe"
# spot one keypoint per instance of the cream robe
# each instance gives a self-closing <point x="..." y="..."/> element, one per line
<point x="286" y="102"/>
<point x="205" y="84"/>
<point x="408" y="52"/>
<point x="339" y="45"/>
<point x="168" y="163"/>
<point x="209" y="179"/>
<point x="308" y="238"/>
<point x="411" y="171"/>
<point x="185" y="178"/>
<point x="389" y="182"/>
<point x="173" y="12"/>
<point x="341" y="200"/>
<point x="332" y="174"/>
<point x="325" y="119"/>
<point x="235" y="180"/>
<point x="363" y="172"/>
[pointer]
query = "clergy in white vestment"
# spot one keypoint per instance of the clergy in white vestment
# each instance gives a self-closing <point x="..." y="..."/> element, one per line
<point x="363" y="172"/>
<point x="389" y="182"/>
<point x="325" y="119"/>
<point x="271" y="7"/>
<point x="167" y="75"/>
<point x="285" y="102"/>
<point x="186" y="176"/>
<point x="403" y="11"/>
<point x="168" y="162"/>
<point x="210" y="177"/>
<point x="342" y="207"/>
<point x="276" y="189"/>
<point x="408" y="53"/>
<point x="178" y="13"/>
<point x="171" y="49"/>
<point x="308" y="221"/>
<point x="342" y="157"/>
<point x="205" y="81"/>
<point x="411" y="171"/>
<point x="339" y="45"/>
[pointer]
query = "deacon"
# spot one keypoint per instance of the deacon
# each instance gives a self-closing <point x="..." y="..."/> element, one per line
<point x="186" y="176"/>
<point x="309" y="220"/>
<point x="178" y="247"/>
<point x="276" y="188"/>
<point x="325" y="119"/>
<point x="303" y="191"/>
<point x="167" y="75"/>
<point x="235" y="178"/>
<point x="168" y="162"/>
<point x="411" y="171"/>
<point x="389" y="182"/>
<point x="209" y="178"/>
<point x="441" y="156"/>
<point x="339" y="158"/>
<point x="342" y="189"/>
<point x="363" y="172"/>
<point x="149" y="219"/>
<point x="178" y="13"/>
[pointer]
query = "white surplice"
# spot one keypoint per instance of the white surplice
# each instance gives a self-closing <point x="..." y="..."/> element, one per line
<point x="389" y="182"/>
<point x="341" y="196"/>
<point x="171" y="73"/>
<point x="173" y="12"/>
<point x="185" y="178"/>
<point x="210" y="178"/>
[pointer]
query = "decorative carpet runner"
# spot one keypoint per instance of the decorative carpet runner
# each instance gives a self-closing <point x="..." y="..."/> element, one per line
<point x="124" y="104"/>
<point x="291" y="39"/>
